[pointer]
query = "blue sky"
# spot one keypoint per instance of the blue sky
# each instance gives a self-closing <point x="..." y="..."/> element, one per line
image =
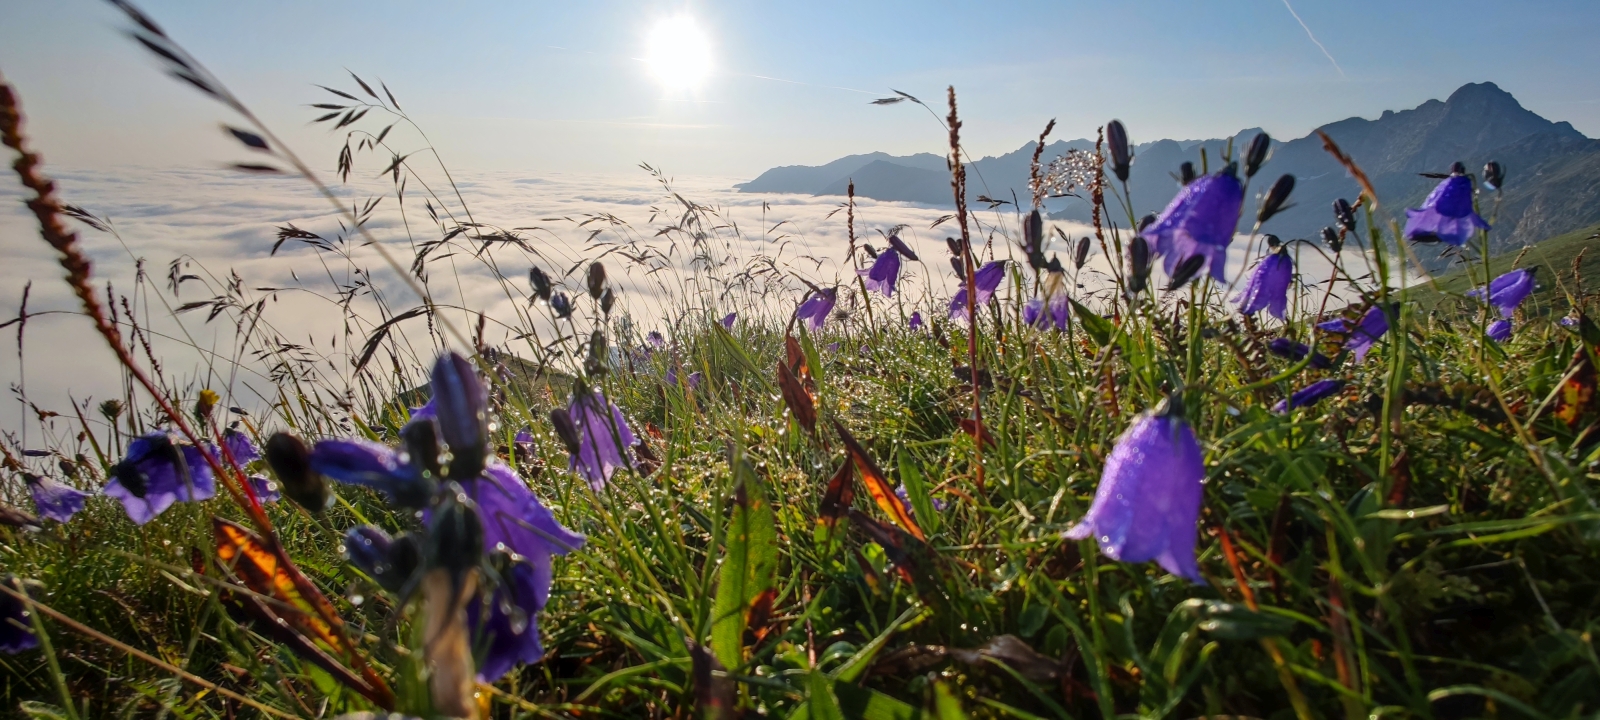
<point x="558" y="87"/>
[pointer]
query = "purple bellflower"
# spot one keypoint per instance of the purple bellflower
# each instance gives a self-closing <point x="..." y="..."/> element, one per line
<point x="356" y="461"/>
<point x="1296" y="351"/>
<point x="1199" y="221"/>
<point x="266" y="489"/>
<point x="915" y="323"/>
<point x="516" y="523"/>
<point x="241" y="447"/>
<point x="884" y="273"/>
<point x="157" y="472"/>
<point x="655" y="339"/>
<point x="1365" y="334"/>
<point x="603" y="436"/>
<point x="16" y="627"/>
<point x="1042" y="315"/>
<point x="1309" y="395"/>
<point x="1268" y="287"/>
<point x="54" y="500"/>
<point x="729" y="319"/>
<point x="1148" y="504"/>
<point x="695" y="378"/>
<point x="987" y="279"/>
<point x="1499" y="331"/>
<point x="1447" y="215"/>
<point x="1568" y="321"/>
<point x="814" y="311"/>
<point x="1508" y="291"/>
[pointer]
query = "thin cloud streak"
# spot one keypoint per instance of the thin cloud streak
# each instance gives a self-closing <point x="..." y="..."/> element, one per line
<point x="1313" y="37"/>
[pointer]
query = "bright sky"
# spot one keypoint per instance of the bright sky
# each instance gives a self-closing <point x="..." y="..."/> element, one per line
<point x="563" y="86"/>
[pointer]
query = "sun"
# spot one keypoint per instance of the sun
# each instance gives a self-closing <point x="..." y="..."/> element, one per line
<point x="678" y="53"/>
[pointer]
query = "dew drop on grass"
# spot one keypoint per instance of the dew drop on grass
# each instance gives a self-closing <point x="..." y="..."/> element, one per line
<point x="519" y="621"/>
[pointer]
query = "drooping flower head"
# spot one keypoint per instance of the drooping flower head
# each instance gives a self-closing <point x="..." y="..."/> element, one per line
<point x="602" y="436"/>
<point x="266" y="489"/>
<point x="517" y="524"/>
<point x="241" y="447"/>
<point x="1508" y="291"/>
<point x="1044" y="314"/>
<point x="814" y="311"/>
<point x="729" y="319"/>
<point x="1286" y="348"/>
<point x="1499" y="331"/>
<point x="1148" y="504"/>
<point x="655" y="339"/>
<point x="1309" y="395"/>
<point x="157" y="472"/>
<point x="1268" y="286"/>
<point x="54" y="500"/>
<point x="1373" y="325"/>
<point x="16" y="624"/>
<point x="1447" y="215"/>
<point x="915" y="322"/>
<point x="987" y="279"/>
<point x="1199" y="221"/>
<point x="884" y="273"/>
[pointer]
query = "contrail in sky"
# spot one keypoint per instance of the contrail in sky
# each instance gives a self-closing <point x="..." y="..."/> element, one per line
<point x="1313" y="38"/>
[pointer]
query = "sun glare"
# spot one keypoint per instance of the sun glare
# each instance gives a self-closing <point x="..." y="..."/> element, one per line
<point x="678" y="53"/>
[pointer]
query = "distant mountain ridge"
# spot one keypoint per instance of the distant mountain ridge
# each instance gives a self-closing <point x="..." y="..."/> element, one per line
<point x="1553" y="171"/>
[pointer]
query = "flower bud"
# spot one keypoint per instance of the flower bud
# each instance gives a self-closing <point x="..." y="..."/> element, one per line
<point x="1494" y="175"/>
<point x="1033" y="240"/>
<point x="1259" y="147"/>
<point x="1117" y="144"/>
<point x="1457" y="168"/>
<point x="1138" y="264"/>
<point x="608" y="300"/>
<point x="540" y="283"/>
<point x="954" y="245"/>
<point x="1186" y="173"/>
<point x="597" y="280"/>
<point x="1276" y="197"/>
<point x="1344" y="214"/>
<point x="599" y="358"/>
<point x="1330" y="237"/>
<point x="455" y="535"/>
<point x="390" y="562"/>
<point x="1186" y="271"/>
<point x="463" y="414"/>
<point x="901" y="247"/>
<point x="561" y="420"/>
<point x="1147" y="221"/>
<point x="1082" y="255"/>
<point x="560" y="305"/>
<point x="1272" y="241"/>
<point x="290" y="460"/>
<point x="960" y="267"/>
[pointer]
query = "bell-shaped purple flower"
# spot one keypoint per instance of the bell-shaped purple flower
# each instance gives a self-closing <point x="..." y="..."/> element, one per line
<point x="157" y="472"/>
<point x="915" y="322"/>
<point x="729" y="319"/>
<point x="241" y="447"/>
<point x="1286" y="348"/>
<point x="655" y="339"/>
<point x="461" y="405"/>
<point x="1508" y="291"/>
<point x="1199" y="221"/>
<point x="53" y="499"/>
<point x="1045" y="315"/>
<point x="1499" y="331"/>
<point x="603" y="436"/>
<point x="987" y="279"/>
<point x="16" y="625"/>
<point x="516" y="523"/>
<point x="1148" y="504"/>
<point x="1568" y="321"/>
<point x="1309" y="395"/>
<point x="1447" y="215"/>
<point x="695" y="378"/>
<point x="884" y="273"/>
<point x="1268" y="287"/>
<point x="355" y="461"/>
<point x="389" y="561"/>
<point x="814" y="311"/>
<point x="1372" y="326"/>
<point x="267" y="490"/>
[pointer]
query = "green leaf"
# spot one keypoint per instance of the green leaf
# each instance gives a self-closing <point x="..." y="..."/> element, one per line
<point x="1099" y="328"/>
<point x="749" y="563"/>
<point x="917" y="492"/>
<point x="945" y="704"/>
<point x="1236" y="622"/>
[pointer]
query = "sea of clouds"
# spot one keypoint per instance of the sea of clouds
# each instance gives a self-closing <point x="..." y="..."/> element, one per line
<point x="217" y="223"/>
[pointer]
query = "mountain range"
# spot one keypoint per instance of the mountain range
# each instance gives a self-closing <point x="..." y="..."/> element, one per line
<point x="1552" y="170"/>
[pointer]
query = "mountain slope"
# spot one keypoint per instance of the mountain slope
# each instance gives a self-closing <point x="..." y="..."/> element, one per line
<point x="1553" y="171"/>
